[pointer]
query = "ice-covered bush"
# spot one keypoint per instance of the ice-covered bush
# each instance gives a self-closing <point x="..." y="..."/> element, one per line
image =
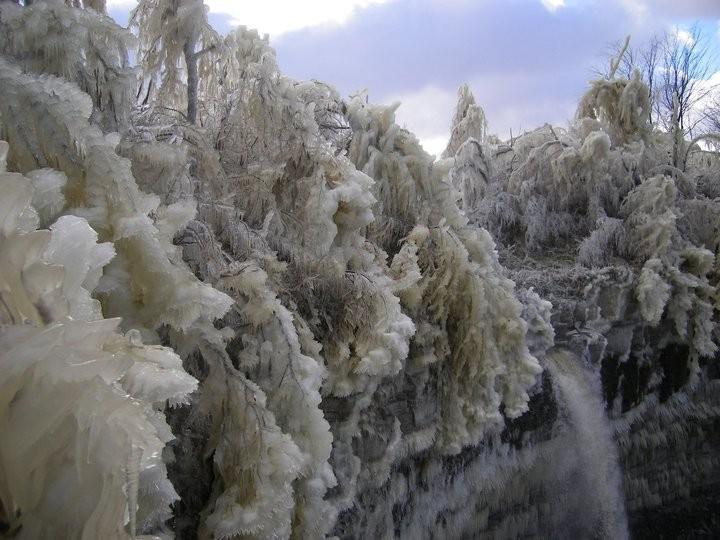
<point x="80" y="403"/>
<point x="83" y="46"/>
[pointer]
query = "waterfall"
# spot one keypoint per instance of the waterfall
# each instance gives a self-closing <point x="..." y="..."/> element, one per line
<point x="579" y="395"/>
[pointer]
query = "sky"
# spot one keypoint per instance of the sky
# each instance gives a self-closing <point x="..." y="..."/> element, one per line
<point x="527" y="61"/>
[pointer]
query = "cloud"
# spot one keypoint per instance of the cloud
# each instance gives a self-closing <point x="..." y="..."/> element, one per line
<point x="553" y="5"/>
<point x="636" y="8"/>
<point x="684" y="9"/>
<point x="277" y="17"/>
<point x="427" y="113"/>
<point x="527" y="61"/>
<point x="709" y="92"/>
<point x="526" y="66"/>
<point x="684" y="37"/>
<point x="513" y="103"/>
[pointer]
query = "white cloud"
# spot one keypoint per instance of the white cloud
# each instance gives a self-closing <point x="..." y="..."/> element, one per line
<point x="684" y="36"/>
<point x="435" y="145"/>
<point x="553" y="5"/>
<point x="709" y="89"/>
<point x="636" y="8"/>
<point x="670" y="9"/>
<point x="277" y="17"/>
<point x="427" y="113"/>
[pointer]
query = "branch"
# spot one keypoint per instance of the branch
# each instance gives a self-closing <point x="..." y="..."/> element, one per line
<point x="206" y="50"/>
<point x="616" y="63"/>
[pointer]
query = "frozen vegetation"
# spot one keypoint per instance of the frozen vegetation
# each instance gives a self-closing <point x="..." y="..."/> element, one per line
<point x="235" y="305"/>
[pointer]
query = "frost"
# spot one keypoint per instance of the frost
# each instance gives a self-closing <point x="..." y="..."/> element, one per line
<point x="652" y="292"/>
<point x="605" y="242"/>
<point x="603" y="192"/>
<point x="468" y="123"/>
<point x="623" y="106"/>
<point x="80" y="399"/>
<point x="267" y="301"/>
<point x="461" y="304"/>
<point x="174" y="39"/>
<point x="116" y="208"/>
<point x="48" y="197"/>
<point x="82" y="46"/>
<point x="537" y="314"/>
<point x="73" y="246"/>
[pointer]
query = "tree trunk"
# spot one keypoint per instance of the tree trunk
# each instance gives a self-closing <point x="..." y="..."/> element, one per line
<point x="192" y="80"/>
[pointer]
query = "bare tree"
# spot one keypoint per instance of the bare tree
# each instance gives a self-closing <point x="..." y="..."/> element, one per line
<point x="674" y="66"/>
<point x="686" y="66"/>
<point x="649" y="61"/>
<point x="712" y="115"/>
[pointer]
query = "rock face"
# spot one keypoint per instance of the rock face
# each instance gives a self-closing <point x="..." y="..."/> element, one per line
<point x="309" y="327"/>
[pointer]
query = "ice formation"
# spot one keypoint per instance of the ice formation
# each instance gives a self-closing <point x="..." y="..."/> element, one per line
<point x="235" y="305"/>
<point x="81" y="402"/>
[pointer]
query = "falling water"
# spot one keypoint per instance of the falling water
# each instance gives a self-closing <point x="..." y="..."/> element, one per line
<point x="580" y="398"/>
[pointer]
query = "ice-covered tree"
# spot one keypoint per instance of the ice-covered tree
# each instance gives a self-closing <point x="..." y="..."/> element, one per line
<point x="83" y="46"/>
<point x="469" y="122"/>
<point x="615" y="194"/>
<point x="175" y="38"/>
<point x="339" y="303"/>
